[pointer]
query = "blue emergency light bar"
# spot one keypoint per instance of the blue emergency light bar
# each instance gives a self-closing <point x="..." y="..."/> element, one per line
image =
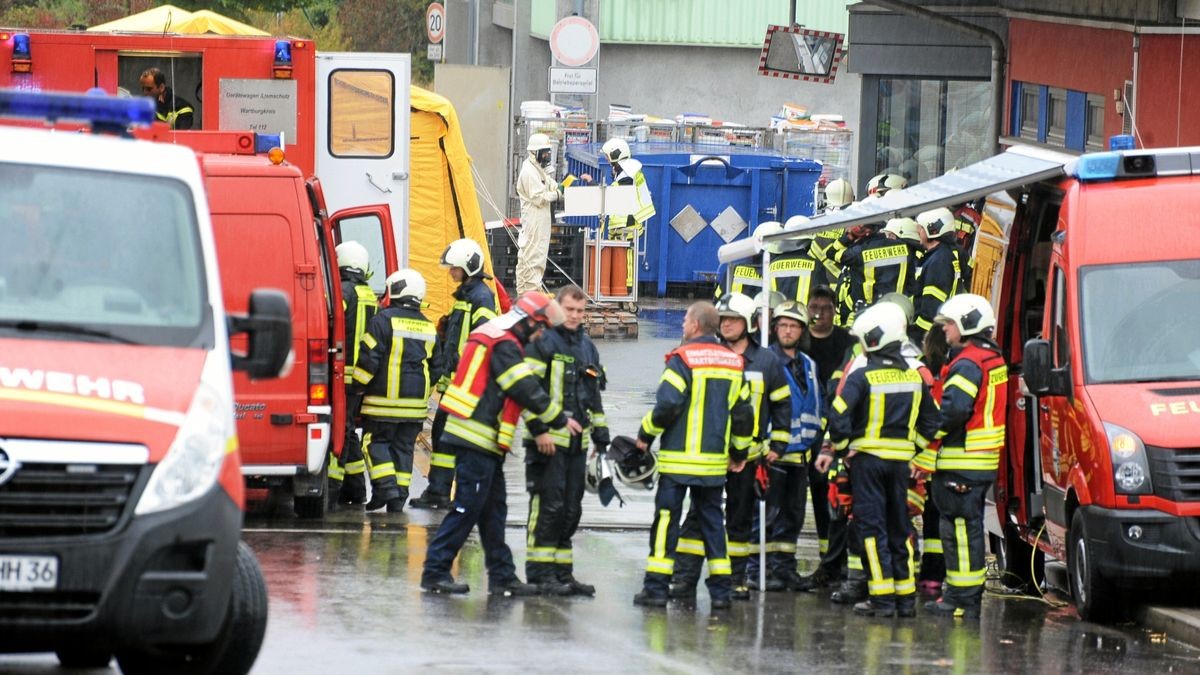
<point x="103" y="112"/>
<point x="283" y="53"/>
<point x="264" y="142"/>
<point x="21" y="46"/>
<point x="1115" y="165"/>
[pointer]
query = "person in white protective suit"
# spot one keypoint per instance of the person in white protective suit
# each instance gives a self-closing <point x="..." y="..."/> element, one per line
<point x="537" y="189"/>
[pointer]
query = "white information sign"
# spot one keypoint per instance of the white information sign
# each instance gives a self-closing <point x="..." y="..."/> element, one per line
<point x="434" y="52"/>
<point x="586" y="200"/>
<point x="572" y="80"/>
<point x="263" y="106"/>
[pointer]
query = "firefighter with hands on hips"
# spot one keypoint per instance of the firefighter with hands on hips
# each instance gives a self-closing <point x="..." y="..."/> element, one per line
<point x="474" y="305"/>
<point x="359" y="305"/>
<point x="944" y="271"/>
<point x="882" y="415"/>
<point x="492" y="385"/>
<point x="789" y="481"/>
<point x="392" y="379"/>
<point x="768" y="387"/>
<point x="703" y="413"/>
<point x="568" y="364"/>
<point x="974" y="404"/>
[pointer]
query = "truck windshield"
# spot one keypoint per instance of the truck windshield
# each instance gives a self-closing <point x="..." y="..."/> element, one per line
<point x="1140" y="321"/>
<point x="94" y="255"/>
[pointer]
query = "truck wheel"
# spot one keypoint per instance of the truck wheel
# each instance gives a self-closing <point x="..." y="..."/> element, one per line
<point x="1014" y="555"/>
<point x="236" y="646"/>
<point x="83" y="658"/>
<point x="1096" y="598"/>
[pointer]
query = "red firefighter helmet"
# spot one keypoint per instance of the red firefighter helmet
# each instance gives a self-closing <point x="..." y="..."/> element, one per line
<point x="541" y="308"/>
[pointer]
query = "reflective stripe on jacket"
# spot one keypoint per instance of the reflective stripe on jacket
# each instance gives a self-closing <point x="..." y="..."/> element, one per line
<point x="393" y="364"/>
<point x="359" y="305"/>
<point x="569" y="366"/>
<point x="884" y="408"/>
<point x="974" y="408"/>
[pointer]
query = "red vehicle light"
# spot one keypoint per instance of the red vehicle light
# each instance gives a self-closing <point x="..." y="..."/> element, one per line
<point x="318" y="373"/>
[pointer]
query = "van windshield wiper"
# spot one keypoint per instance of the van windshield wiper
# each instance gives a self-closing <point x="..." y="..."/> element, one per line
<point x="30" y="326"/>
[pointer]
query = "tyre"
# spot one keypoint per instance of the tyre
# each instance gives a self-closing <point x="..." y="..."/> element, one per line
<point x="83" y="658"/>
<point x="1096" y="598"/>
<point x="309" y="508"/>
<point x="1013" y="556"/>
<point x="236" y="646"/>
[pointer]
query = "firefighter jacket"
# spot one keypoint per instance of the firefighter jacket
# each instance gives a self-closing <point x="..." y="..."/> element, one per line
<point x="491" y="386"/>
<point x="359" y="305"/>
<point x="884" y="409"/>
<point x="702" y="411"/>
<point x="769" y="394"/>
<point x="942" y="277"/>
<point x="474" y="305"/>
<point x="805" y="405"/>
<point x="822" y="249"/>
<point x="630" y="226"/>
<point x="568" y="365"/>
<point x="393" y="365"/>
<point x="795" y="274"/>
<point x="876" y="266"/>
<point x="974" y="406"/>
<point x="746" y="278"/>
<point x="175" y="111"/>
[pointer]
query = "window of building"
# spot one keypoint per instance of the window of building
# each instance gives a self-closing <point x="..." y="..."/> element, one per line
<point x="1056" y="117"/>
<point x="927" y="127"/>
<point x="361" y="113"/>
<point x="1095" y="123"/>
<point x="1030" y="109"/>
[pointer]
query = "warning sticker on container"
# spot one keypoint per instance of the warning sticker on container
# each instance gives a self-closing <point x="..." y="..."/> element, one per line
<point x="688" y="223"/>
<point x="729" y="224"/>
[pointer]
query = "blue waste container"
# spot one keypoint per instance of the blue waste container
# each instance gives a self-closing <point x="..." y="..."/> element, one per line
<point x="700" y="186"/>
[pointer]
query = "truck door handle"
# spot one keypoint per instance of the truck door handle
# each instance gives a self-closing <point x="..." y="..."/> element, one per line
<point x="377" y="186"/>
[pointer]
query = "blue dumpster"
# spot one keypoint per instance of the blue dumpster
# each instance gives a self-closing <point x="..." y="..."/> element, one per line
<point x="705" y="196"/>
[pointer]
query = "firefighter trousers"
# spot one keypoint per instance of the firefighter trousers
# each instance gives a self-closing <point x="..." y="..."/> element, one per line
<point x="881" y="515"/>
<point x="818" y="487"/>
<point x="961" y="502"/>
<point x="786" y="505"/>
<point x="481" y="499"/>
<point x="933" y="563"/>
<point x="555" y="485"/>
<point x="740" y="505"/>
<point x="389" y="456"/>
<point x="349" y="470"/>
<point x="441" y="464"/>
<point x="664" y="536"/>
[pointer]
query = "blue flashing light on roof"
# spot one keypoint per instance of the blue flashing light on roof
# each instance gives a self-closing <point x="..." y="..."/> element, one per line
<point x="283" y="53"/>
<point x="105" y="113"/>
<point x="1097" y="166"/>
<point x="1121" y="142"/>
<point x="264" y="142"/>
<point x="20" y="43"/>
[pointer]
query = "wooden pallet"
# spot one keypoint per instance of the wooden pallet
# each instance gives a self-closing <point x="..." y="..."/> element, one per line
<point x="610" y="322"/>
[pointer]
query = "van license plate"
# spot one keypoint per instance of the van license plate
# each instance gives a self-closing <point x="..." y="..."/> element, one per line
<point x="28" y="572"/>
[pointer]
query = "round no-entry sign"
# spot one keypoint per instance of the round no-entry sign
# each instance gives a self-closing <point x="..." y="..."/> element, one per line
<point x="574" y="41"/>
<point x="435" y="22"/>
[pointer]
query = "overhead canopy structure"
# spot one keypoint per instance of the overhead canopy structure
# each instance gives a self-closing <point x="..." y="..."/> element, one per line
<point x="171" y="19"/>
<point x="1020" y="165"/>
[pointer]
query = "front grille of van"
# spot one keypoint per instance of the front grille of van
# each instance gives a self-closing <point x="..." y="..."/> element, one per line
<point x="65" y="499"/>
<point x="49" y="607"/>
<point x="1175" y="473"/>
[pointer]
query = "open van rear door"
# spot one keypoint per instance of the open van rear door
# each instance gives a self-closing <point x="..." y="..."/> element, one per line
<point x="363" y="134"/>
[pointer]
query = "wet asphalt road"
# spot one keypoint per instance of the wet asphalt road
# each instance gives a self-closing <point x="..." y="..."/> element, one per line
<point x="344" y="598"/>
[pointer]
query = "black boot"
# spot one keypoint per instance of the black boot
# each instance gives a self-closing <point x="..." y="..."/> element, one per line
<point x="513" y="588"/>
<point x="850" y="592"/>
<point x="880" y="606"/>
<point x="906" y="606"/>
<point x="773" y="584"/>
<point x="431" y="500"/>
<point x="448" y="586"/>
<point x="647" y="599"/>
<point x="682" y="590"/>
<point x="579" y="588"/>
<point x="793" y="581"/>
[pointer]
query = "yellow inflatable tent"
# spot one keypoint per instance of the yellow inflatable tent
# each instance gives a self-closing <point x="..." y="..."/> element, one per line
<point x="441" y="195"/>
<point x="171" y="19"/>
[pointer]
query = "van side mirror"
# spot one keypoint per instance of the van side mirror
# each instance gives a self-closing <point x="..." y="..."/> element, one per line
<point x="269" y="327"/>
<point x="1041" y="377"/>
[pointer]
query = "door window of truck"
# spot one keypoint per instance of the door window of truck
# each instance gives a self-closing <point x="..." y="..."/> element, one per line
<point x="361" y="113"/>
<point x="1140" y="321"/>
<point x="183" y="73"/>
<point x="100" y="255"/>
<point x="368" y="231"/>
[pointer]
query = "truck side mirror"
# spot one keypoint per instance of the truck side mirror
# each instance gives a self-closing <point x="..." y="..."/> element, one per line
<point x="269" y="327"/>
<point x="1041" y="377"/>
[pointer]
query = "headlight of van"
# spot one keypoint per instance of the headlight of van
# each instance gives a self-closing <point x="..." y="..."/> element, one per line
<point x="193" y="463"/>
<point x="1131" y="469"/>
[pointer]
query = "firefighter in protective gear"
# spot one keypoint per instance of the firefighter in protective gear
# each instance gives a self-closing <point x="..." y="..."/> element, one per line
<point x="974" y="403"/>
<point x="703" y="413"/>
<point x="789" y="482"/>
<point x="794" y="271"/>
<point x="838" y="195"/>
<point x="822" y="249"/>
<point x="568" y="365"/>
<point x="944" y="273"/>
<point x="884" y="183"/>
<point x="627" y="171"/>
<point x="768" y="386"/>
<point x="745" y="276"/>
<point x="474" y="305"/>
<point x="874" y="264"/>
<point x="348" y="472"/>
<point x="536" y="189"/>
<point x="491" y="386"/>
<point x="392" y="379"/>
<point x="882" y="415"/>
<point x="908" y="231"/>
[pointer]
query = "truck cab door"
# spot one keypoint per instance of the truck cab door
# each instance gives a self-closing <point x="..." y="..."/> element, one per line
<point x="370" y="226"/>
<point x="1056" y="414"/>
<point x="362" y="154"/>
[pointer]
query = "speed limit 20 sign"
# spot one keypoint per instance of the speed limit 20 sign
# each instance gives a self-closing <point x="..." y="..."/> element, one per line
<point x="435" y="22"/>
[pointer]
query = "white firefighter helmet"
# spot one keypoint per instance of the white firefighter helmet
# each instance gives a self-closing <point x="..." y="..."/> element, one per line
<point x="737" y="305"/>
<point x="539" y="142"/>
<point x="839" y="193"/>
<point x="903" y="302"/>
<point x="464" y="254"/>
<point x="353" y="255"/>
<point x="796" y="243"/>
<point x="879" y="326"/>
<point x="903" y="228"/>
<point x="635" y="468"/>
<point x="793" y="310"/>
<point x="937" y="222"/>
<point x="884" y="182"/>
<point x="406" y="284"/>
<point x="616" y="149"/>
<point x="599" y="479"/>
<point x="972" y="314"/>
<point x="765" y="229"/>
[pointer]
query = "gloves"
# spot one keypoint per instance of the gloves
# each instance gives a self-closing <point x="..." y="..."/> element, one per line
<point x="840" y="498"/>
<point x="857" y="232"/>
<point x="916" y="497"/>
<point x="762" y="480"/>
